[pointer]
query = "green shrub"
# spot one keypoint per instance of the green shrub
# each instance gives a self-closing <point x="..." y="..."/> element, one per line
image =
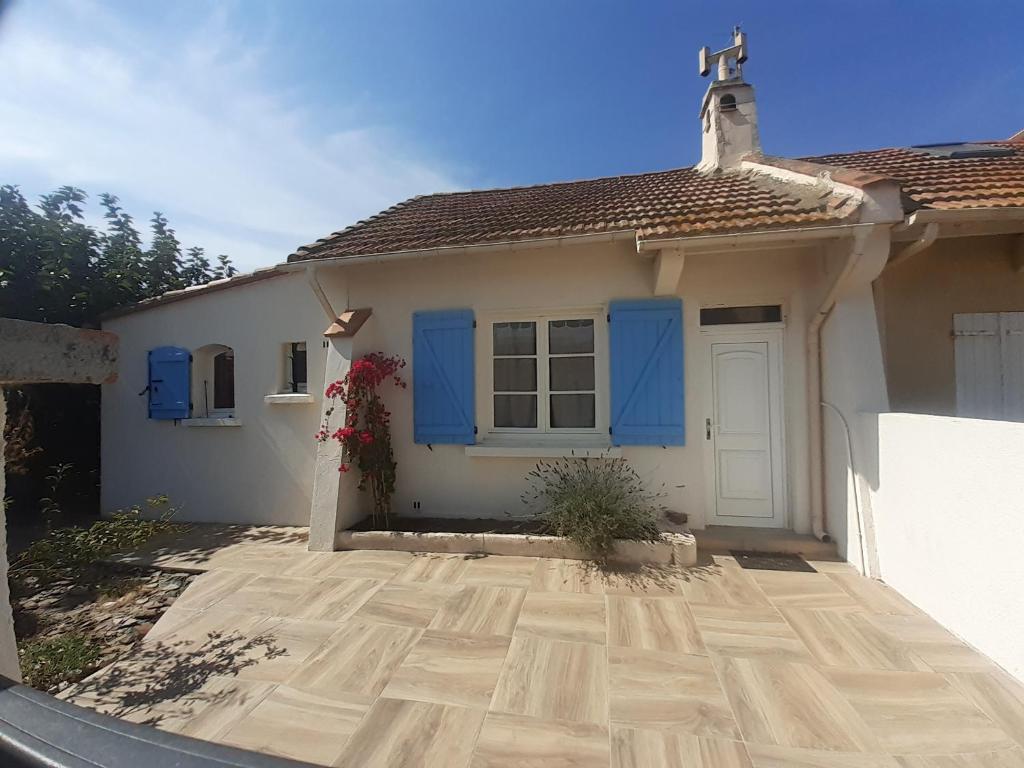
<point x="65" y="550"/>
<point x="592" y="502"/>
<point x="44" y="663"/>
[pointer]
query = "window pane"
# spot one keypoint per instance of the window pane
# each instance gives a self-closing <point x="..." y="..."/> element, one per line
<point x="572" y="373"/>
<point x="224" y="380"/>
<point x="298" y="366"/>
<point x="515" y="374"/>
<point x="767" y="313"/>
<point x="570" y="337"/>
<point x="515" y="411"/>
<point x="572" y="411"/>
<point x="515" y="338"/>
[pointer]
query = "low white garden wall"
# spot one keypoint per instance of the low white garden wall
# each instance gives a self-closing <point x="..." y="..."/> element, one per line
<point x="948" y="506"/>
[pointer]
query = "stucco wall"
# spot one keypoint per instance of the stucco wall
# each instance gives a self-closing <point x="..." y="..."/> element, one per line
<point x="262" y="471"/>
<point x="948" y="504"/>
<point x="917" y="300"/>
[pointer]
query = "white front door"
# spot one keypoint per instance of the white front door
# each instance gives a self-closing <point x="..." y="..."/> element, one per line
<point x="744" y="432"/>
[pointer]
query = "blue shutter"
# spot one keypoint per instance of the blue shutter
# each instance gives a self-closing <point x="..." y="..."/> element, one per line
<point x="443" y="386"/>
<point x="169" y="383"/>
<point x="646" y="341"/>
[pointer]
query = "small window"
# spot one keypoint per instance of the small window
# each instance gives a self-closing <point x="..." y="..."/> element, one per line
<point x="213" y="382"/>
<point x="765" y="313"/>
<point x="727" y="103"/>
<point x="224" y="381"/>
<point x="295" y="367"/>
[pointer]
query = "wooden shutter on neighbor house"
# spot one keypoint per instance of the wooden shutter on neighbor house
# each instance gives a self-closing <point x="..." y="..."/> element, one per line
<point x="444" y="403"/>
<point x="169" y="383"/>
<point x="989" y="353"/>
<point x="646" y="359"/>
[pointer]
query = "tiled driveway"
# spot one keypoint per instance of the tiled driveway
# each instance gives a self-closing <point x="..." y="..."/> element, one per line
<point x="369" y="659"/>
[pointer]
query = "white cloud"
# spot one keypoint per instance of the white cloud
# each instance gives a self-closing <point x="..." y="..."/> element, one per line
<point x="188" y="124"/>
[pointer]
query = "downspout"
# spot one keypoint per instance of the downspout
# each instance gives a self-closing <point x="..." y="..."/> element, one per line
<point x="814" y="384"/>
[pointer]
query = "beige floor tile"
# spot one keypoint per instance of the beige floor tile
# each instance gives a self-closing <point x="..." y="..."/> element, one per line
<point x="334" y="599"/>
<point x="479" y="610"/>
<point x="299" y="725"/>
<point x="413" y="734"/>
<point x="1003" y="758"/>
<point x="216" y="627"/>
<point x="515" y="741"/>
<point x="936" y="647"/>
<point x="359" y="658"/>
<point x="499" y="571"/>
<point x="568" y="616"/>
<point x="803" y="590"/>
<point x="915" y="629"/>
<point x="408" y="605"/>
<point x="315" y="566"/>
<point x="432" y="568"/>
<point x="636" y="748"/>
<point x="212" y="587"/>
<point x="748" y="632"/>
<point x="997" y="695"/>
<point x="445" y="668"/>
<point x="766" y="756"/>
<point x="368" y="564"/>
<point x="283" y="646"/>
<point x="228" y="701"/>
<point x="556" y="680"/>
<point x="647" y="581"/>
<point x="721" y="586"/>
<point x="849" y="639"/>
<point x="174" y="619"/>
<point x="667" y="691"/>
<point x="261" y="559"/>
<point x="918" y="712"/>
<point x="272" y="594"/>
<point x="554" y="575"/>
<point x="873" y="595"/>
<point x="655" y="623"/>
<point x="794" y="705"/>
<point x="952" y="657"/>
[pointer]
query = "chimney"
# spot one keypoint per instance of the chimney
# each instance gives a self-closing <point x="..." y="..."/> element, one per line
<point x="728" y="114"/>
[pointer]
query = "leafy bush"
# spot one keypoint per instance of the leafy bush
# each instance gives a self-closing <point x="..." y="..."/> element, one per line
<point x="592" y="502"/>
<point x="66" y="550"/>
<point x="44" y="663"/>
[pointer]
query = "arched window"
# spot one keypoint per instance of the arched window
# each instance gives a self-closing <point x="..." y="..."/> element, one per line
<point x="224" y="380"/>
<point x="727" y="103"/>
<point x="213" y="381"/>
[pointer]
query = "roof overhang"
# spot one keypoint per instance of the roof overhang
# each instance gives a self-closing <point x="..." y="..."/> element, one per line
<point x="961" y="222"/>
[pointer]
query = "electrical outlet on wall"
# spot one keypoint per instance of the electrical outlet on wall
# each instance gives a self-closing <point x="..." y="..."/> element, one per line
<point x="415" y="505"/>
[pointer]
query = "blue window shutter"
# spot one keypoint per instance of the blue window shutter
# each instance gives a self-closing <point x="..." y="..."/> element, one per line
<point x="443" y="386"/>
<point x="646" y="340"/>
<point x="169" y="383"/>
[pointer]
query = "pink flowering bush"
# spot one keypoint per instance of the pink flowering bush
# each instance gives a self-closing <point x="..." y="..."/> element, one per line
<point x="366" y="437"/>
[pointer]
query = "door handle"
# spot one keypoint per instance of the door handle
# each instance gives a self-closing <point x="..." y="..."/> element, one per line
<point x="707" y="429"/>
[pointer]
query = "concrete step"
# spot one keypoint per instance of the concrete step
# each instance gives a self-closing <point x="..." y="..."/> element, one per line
<point x="720" y="539"/>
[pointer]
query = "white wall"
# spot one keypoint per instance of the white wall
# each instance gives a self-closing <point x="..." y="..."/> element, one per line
<point x="948" y="504"/>
<point x="263" y="471"/>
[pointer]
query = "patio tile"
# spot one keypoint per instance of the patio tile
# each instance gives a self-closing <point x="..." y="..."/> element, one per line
<point x="551" y="575"/>
<point x="515" y="741"/>
<point x="430" y="568"/>
<point x="359" y="658"/>
<point x="209" y="588"/>
<point x="997" y="695"/>
<point x="480" y="610"/>
<point x="368" y="564"/>
<point x="447" y="668"/>
<point x="918" y="712"/>
<point x="667" y="691"/>
<point x="499" y="570"/>
<point x="803" y="590"/>
<point x="1003" y="758"/>
<point x="408" y="605"/>
<point x="563" y="616"/>
<point x="873" y="595"/>
<point x="915" y="630"/>
<point x="333" y="599"/>
<point x="647" y="581"/>
<point x="272" y="594"/>
<point x="659" y="624"/>
<point x="721" y="586"/>
<point x="556" y="680"/>
<point x="847" y="639"/>
<point x="768" y="756"/>
<point x="203" y="628"/>
<point x="793" y="705"/>
<point x="261" y="559"/>
<point x="412" y="734"/>
<point x="299" y="725"/>
<point x="636" y="748"/>
<point x="313" y="566"/>
<point x="748" y="632"/>
<point x="281" y="648"/>
<point x="228" y="701"/>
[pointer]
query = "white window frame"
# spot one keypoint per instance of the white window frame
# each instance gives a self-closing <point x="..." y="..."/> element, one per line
<point x="543" y="432"/>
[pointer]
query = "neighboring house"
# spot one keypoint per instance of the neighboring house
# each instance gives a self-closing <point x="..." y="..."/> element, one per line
<point x="692" y="320"/>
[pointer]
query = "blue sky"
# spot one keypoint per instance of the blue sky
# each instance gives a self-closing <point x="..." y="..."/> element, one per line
<point x="259" y="126"/>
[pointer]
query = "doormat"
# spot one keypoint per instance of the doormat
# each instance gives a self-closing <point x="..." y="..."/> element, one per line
<point x="771" y="561"/>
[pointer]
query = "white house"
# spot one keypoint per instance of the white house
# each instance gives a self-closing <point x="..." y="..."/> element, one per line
<point x="723" y="327"/>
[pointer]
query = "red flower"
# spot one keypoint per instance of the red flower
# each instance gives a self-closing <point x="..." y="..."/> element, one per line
<point x="343" y="468"/>
<point x="365" y="437"/>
